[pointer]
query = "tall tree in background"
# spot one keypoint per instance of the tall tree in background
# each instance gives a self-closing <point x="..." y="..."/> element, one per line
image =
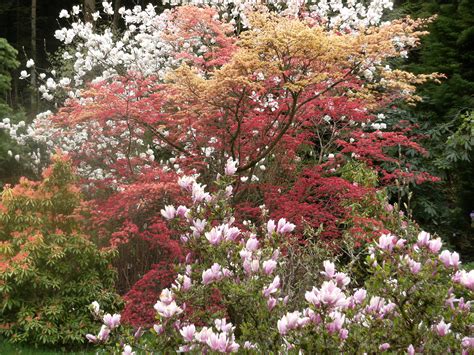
<point x="33" y="56"/>
<point x="8" y="62"/>
<point x="89" y="9"/>
<point x="444" y="116"/>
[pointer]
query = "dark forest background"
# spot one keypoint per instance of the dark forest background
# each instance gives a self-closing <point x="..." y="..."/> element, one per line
<point x="445" y="117"/>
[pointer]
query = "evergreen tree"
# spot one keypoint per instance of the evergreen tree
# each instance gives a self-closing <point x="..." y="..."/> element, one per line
<point x="444" y="115"/>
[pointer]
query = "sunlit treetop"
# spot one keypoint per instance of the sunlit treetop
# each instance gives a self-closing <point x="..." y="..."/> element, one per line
<point x="335" y="14"/>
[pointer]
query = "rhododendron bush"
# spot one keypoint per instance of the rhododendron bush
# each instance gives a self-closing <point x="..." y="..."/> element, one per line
<point x="263" y="114"/>
<point x="50" y="269"/>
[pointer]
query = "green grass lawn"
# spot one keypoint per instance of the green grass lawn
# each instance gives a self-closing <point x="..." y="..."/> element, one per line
<point x="7" y="348"/>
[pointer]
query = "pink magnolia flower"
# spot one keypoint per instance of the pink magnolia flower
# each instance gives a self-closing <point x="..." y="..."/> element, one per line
<point x="212" y="274"/>
<point x="271" y="303"/>
<point x="467" y="279"/>
<point x="186" y="283"/>
<point x="434" y="245"/>
<point x="312" y="297"/>
<point x="127" y="350"/>
<point x="186" y="182"/>
<point x="400" y="243"/>
<point x="343" y="334"/>
<point x="182" y="211"/>
<point x="313" y="317"/>
<point x="203" y="335"/>
<point x="329" y="269"/>
<point x="386" y="242"/>
<point x="226" y="272"/>
<point x="188" y="259"/>
<point x="222" y="342"/>
<point x="169" y="212"/>
<point x="338" y="321"/>
<point x="103" y="333"/>
<point x="284" y="226"/>
<point x="332" y="295"/>
<point x="450" y="301"/>
<point x="167" y="296"/>
<point x="384" y="346"/>
<point x="457" y="276"/>
<point x="272" y="288"/>
<point x="276" y="254"/>
<point x="387" y="309"/>
<point x="254" y="266"/>
<point x="214" y="236"/>
<point x="329" y="295"/>
<point x="198" y="227"/>
<point x="91" y="338"/>
<point x="247" y="265"/>
<point x="188" y="332"/>
<point x="414" y="266"/>
<point x="228" y="191"/>
<point x="185" y="348"/>
<point x="411" y="350"/>
<point x="158" y="328"/>
<point x="245" y="254"/>
<point x="248" y="345"/>
<point x="449" y="259"/>
<point x="231" y="167"/>
<point x="288" y="322"/>
<point x="464" y="306"/>
<point x="442" y="328"/>
<point x="467" y="343"/>
<point x="199" y="194"/>
<point x="269" y="266"/>
<point x="223" y="326"/>
<point x="379" y="307"/>
<point x="138" y="334"/>
<point x="423" y="238"/>
<point x="359" y="296"/>
<point x="167" y="310"/>
<point x="376" y="305"/>
<point x="252" y="243"/>
<point x="342" y="279"/>
<point x="271" y="226"/>
<point x="230" y="233"/>
<point x="112" y="321"/>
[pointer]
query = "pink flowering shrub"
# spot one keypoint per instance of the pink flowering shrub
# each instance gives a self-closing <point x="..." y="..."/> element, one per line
<point x="414" y="296"/>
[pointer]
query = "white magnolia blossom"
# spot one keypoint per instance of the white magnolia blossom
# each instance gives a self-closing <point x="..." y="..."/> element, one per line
<point x="24" y="74"/>
<point x="332" y="13"/>
<point x="142" y="49"/>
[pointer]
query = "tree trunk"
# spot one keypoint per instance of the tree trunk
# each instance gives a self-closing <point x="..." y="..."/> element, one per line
<point x="89" y="9"/>
<point x="16" y="99"/>
<point x="33" y="100"/>
<point x="117" y="5"/>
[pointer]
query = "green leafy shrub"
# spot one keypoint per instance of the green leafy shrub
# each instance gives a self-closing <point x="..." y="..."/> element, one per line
<point x="50" y="270"/>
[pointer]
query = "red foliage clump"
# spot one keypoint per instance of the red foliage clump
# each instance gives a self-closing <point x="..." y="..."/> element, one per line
<point x="317" y="200"/>
<point x="142" y="297"/>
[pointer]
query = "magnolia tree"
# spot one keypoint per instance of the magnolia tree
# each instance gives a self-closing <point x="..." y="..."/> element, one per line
<point x="413" y="298"/>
